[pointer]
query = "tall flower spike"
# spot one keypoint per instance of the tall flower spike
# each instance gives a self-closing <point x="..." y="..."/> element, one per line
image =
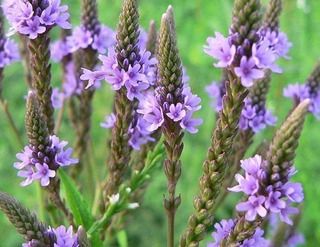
<point x="152" y="38"/>
<point x="271" y="18"/>
<point x="43" y="156"/>
<point x="313" y="82"/>
<point x="170" y="88"/>
<point x="246" y="23"/>
<point x="86" y="58"/>
<point x="280" y="160"/>
<point x="24" y="221"/>
<point x="127" y="51"/>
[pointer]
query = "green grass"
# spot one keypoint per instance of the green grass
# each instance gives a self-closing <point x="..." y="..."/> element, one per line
<point x="195" y="19"/>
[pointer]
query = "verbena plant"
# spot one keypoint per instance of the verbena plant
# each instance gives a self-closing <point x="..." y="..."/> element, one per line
<point x="153" y="108"/>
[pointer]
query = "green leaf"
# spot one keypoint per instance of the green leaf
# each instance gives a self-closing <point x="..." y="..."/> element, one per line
<point x="122" y="238"/>
<point x="78" y="205"/>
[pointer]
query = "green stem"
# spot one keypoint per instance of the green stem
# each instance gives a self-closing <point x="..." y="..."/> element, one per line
<point x="59" y="120"/>
<point x="5" y="109"/>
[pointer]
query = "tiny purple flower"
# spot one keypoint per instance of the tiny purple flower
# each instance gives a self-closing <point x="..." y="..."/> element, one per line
<point x="109" y="121"/>
<point x="248" y="72"/>
<point x="43" y="174"/>
<point x="176" y="112"/>
<point x="32" y="28"/>
<point x="274" y="202"/>
<point x="252" y="207"/>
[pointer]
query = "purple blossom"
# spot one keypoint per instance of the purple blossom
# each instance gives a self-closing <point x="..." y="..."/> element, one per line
<point x="257" y="240"/>
<point x="191" y="101"/>
<point x="252" y="207"/>
<point x="140" y="134"/>
<point x="274" y="202"/>
<point x="92" y="76"/>
<point x="215" y="93"/>
<point x="252" y="166"/>
<point x="32" y="28"/>
<point x="71" y="85"/>
<point x="220" y="49"/>
<point x="25" y="20"/>
<point x="154" y="119"/>
<point x="28" y="174"/>
<point x="42" y="166"/>
<point x="293" y="191"/>
<point x="176" y="112"/>
<point x="57" y="98"/>
<point x="255" y="117"/>
<point x="109" y="121"/>
<point x="248" y="72"/>
<point x="80" y="39"/>
<point x="286" y="212"/>
<point x="65" y="237"/>
<point x="105" y="39"/>
<point x="248" y="185"/>
<point x="190" y="124"/>
<point x="43" y="173"/>
<point x="222" y="230"/>
<point x="59" y="50"/>
<point x="295" y="240"/>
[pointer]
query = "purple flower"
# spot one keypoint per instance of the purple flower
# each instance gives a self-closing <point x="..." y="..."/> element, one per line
<point x="104" y="40"/>
<point x="191" y="101"/>
<point x="264" y="57"/>
<point x="154" y="119"/>
<point x="274" y="202"/>
<point x="190" y="124"/>
<point x="63" y="158"/>
<point x="140" y="134"/>
<point x="59" y="50"/>
<point x="296" y="91"/>
<point x="252" y="207"/>
<point x="253" y="166"/>
<point x="176" y="112"/>
<point x="71" y="84"/>
<point x="293" y="191"/>
<point x="220" y="49"/>
<point x="295" y="240"/>
<point x="81" y="38"/>
<point x="43" y="174"/>
<point x="24" y="158"/>
<point x="257" y="240"/>
<point x="32" y="28"/>
<point x="283" y="45"/>
<point x="215" y="93"/>
<point x="286" y="212"/>
<point x="109" y="121"/>
<point x="248" y="72"/>
<point x="248" y="185"/>
<point x="65" y="237"/>
<point x="57" y="98"/>
<point x="223" y="229"/>
<point x="92" y="77"/>
<point x="28" y="174"/>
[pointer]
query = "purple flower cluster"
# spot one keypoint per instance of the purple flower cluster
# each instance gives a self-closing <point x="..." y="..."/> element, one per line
<point x="154" y="113"/>
<point x="35" y="19"/>
<point x="64" y="237"/>
<point x="255" y="118"/>
<point x="10" y="52"/>
<point x="136" y="79"/>
<point x="82" y="39"/>
<point x="300" y="92"/>
<point x="264" y="54"/>
<point x="225" y="227"/>
<point x="42" y="165"/>
<point x="263" y="197"/>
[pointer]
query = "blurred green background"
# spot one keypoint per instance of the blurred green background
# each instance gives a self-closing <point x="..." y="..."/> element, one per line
<point x="195" y="20"/>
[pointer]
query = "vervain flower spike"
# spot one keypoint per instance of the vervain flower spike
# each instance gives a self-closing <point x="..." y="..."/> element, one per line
<point x="273" y="192"/>
<point x="244" y="33"/>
